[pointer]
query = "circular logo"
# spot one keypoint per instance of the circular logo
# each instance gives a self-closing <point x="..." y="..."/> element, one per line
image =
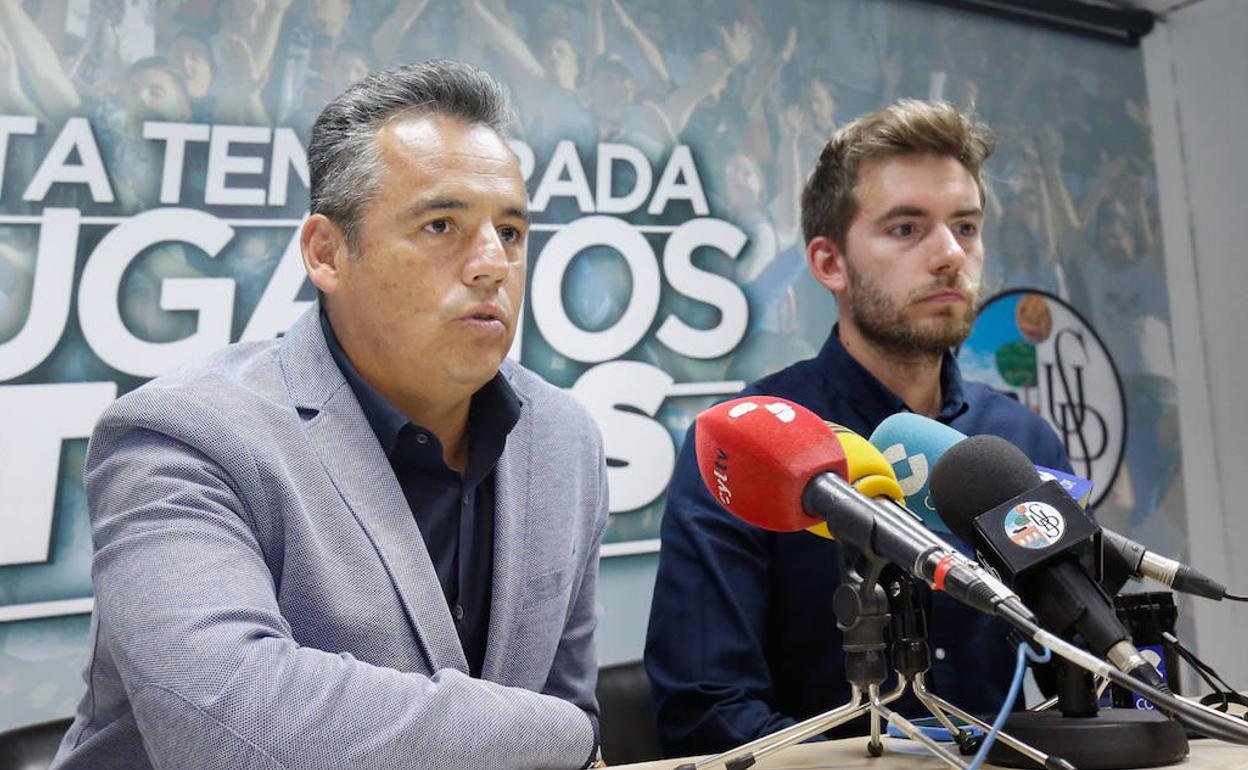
<point x="1034" y="525"/>
<point x="1033" y="346"/>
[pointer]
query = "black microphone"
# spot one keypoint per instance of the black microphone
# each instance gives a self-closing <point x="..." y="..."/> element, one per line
<point x="1131" y="559"/>
<point x="989" y="494"/>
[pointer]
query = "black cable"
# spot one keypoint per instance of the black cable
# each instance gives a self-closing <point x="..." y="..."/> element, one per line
<point x="1204" y="669"/>
<point x="1235" y="597"/>
<point x="1167" y="703"/>
<point x="1223" y="694"/>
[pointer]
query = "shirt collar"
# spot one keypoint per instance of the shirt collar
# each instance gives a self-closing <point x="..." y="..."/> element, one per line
<point x="495" y="409"/>
<point x="870" y="398"/>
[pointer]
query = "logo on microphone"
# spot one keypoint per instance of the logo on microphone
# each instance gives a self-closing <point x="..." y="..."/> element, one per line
<point x="917" y="464"/>
<point x="722" y="492"/>
<point x="783" y="412"/>
<point x="1034" y="525"/>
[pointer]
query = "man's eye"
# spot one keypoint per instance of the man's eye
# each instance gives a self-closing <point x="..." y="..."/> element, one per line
<point x="904" y="229"/>
<point x="968" y="229"/>
<point x="438" y="226"/>
<point x="510" y="234"/>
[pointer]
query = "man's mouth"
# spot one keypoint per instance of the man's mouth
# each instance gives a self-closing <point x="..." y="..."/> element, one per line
<point x="947" y="296"/>
<point x="484" y="315"/>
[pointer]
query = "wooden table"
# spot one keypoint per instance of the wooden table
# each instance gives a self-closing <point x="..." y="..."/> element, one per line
<point x="851" y="754"/>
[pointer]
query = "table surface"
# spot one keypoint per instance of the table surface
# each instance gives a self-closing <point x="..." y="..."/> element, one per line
<point x="851" y="754"/>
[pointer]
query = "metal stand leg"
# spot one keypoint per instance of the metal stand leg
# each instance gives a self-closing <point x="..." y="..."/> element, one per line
<point x="747" y="754"/>
<point x="930" y="699"/>
<point x="862" y="609"/>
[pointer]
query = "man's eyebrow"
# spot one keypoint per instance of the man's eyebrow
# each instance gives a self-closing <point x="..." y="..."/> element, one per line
<point x="436" y="204"/>
<point x="900" y="211"/>
<point x="456" y="204"/>
<point x="897" y="212"/>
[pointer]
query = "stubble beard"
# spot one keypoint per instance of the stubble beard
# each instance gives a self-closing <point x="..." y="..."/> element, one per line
<point x="886" y="325"/>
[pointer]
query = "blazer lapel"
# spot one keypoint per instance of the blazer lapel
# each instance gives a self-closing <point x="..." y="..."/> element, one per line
<point x="358" y="467"/>
<point x="511" y="506"/>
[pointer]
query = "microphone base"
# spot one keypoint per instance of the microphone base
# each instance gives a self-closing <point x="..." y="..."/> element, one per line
<point x="1114" y="739"/>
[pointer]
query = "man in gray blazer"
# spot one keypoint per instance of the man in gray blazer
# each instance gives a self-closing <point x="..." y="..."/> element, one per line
<point x="372" y="543"/>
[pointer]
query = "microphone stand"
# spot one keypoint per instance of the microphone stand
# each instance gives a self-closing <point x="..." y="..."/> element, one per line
<point x="1094" y="738"/>
<point x="862" y="607"/>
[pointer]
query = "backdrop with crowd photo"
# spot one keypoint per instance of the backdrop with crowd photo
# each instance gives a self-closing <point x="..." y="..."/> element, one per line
<point x="153" y="178"/>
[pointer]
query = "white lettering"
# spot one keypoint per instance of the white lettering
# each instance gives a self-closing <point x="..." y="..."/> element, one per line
<point x="553" y="185"/>
<point x="175" y="136"/>
<point x="9" y="125"/>
<point x="49" y="295"/>
<point x="547" y="301"/>
<point x="608" y="154"/>
<point x="37" y="419"/>
<point x="706" y="287"/>
<point x="288" y="153"/>
<point x="76" y="135"/>
<point x="642" y="446"/>
<point x="221" y="163"/>
<point x="212" y="298"/>
<point x="679" y="166"/>
<point x="278" y="308"/>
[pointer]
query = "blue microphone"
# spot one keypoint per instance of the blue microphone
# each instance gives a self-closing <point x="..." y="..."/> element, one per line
<point x="913" y="444"/>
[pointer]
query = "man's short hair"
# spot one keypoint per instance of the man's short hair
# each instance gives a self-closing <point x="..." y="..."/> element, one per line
<point x="909" y="127"/>
<point x="344" y="161"/>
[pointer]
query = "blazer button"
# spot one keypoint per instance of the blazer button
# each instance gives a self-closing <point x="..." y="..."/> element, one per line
<point x="458" y="612"/>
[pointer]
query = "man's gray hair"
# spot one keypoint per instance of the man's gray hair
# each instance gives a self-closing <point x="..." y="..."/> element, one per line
<point x="344" y="161"/>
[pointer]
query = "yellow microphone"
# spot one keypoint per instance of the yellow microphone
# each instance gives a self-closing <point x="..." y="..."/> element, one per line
<point x="869" y="472"/>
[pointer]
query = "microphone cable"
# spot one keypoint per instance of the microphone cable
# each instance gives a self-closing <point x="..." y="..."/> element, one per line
<point x="1235" y="597"/>
<point x="1020" y="667"/>
<point x="1223" y="694"/>
<point x="1211" y="722"/>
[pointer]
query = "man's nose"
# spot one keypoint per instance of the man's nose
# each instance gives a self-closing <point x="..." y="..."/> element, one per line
<point x="488" y="263"/>
<point x="948" y="253"/>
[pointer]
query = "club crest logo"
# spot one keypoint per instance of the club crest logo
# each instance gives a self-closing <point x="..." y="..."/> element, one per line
<point x="1038" y="349"/>
<point x="1034" y="525"/>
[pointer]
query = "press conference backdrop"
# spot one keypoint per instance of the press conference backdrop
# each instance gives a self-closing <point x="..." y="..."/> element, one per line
<point x="153" y="177"/>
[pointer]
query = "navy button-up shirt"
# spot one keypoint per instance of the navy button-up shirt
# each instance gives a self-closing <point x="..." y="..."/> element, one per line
<point x="743" y="638"/>
<point x="455" y="512"/>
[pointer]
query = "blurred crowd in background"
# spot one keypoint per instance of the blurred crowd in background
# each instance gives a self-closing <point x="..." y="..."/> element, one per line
<point x="753" y="87"/>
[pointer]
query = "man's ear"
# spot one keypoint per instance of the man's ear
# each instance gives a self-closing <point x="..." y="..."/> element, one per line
<point x="324" y="249"/>
<point x="827" y="264"/>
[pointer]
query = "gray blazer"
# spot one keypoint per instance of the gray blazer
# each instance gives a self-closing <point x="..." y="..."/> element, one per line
<point x="264" y="598"/>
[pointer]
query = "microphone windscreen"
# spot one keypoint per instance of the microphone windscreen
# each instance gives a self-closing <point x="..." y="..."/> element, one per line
<point x="913" y="444"/>
<point x="975" y="476"/>
<point x="867" y="469"/>
<point x="757" y="453"/>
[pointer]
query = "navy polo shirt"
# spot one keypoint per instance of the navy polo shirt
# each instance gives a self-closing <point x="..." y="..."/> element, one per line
<point x="455" y="512"/>
<point x="743" y="638"/>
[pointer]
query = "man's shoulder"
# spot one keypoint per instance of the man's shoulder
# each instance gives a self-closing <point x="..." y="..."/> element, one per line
<point x="232" y="379"/>
<point x="545" y="403"/>
<point x="989" y="400"/>
<point x="1002" y="415"/>
<point x="796" y="382"/>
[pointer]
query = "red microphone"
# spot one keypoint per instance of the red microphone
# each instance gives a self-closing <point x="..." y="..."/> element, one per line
<point x="779" y="466"/>
<point x="756" y="455"/>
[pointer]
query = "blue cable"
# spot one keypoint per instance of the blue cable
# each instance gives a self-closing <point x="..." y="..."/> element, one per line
<point x="1024" y="652"/>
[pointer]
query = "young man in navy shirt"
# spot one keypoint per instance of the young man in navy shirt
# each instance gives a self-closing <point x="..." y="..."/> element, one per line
<point x="743" y="639"/>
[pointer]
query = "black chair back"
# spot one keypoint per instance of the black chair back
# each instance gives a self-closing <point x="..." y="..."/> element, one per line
<point x="32" y="747"/>
<point x="625" y="714"/>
